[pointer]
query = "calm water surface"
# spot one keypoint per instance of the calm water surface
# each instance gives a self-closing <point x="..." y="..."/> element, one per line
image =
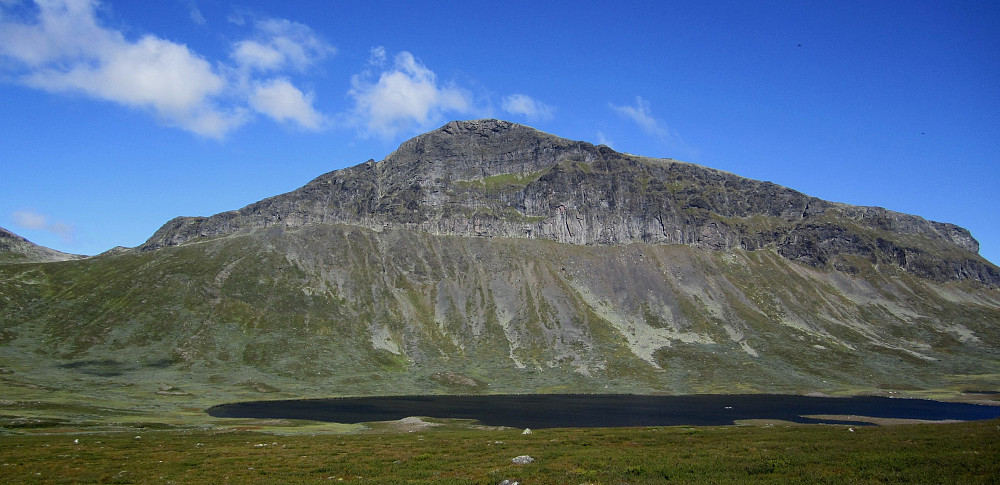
<point x="603" y="410"/>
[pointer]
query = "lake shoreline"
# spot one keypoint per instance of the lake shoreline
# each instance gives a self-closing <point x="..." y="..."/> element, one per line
<point x="613" y="410"/>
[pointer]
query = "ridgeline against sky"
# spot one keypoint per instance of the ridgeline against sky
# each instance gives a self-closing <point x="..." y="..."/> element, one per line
<point x="119" y="116"/>
<point x="490" y="257"/>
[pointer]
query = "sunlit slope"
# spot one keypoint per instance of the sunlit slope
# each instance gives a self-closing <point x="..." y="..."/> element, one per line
<point x="488" y="257"/>
<point x="341" y="310"/>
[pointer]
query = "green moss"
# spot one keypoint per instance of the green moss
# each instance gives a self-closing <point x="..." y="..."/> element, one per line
<point x="285" y="452"/>
<point x="503" y="182"/>
<point x="296" y="312"/>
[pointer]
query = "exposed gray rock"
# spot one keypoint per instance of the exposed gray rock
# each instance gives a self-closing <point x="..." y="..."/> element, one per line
<point x="522" y="460"/>
<point x="490" y="178"/>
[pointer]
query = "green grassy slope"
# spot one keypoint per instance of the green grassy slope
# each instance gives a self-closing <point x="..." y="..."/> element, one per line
<point x="330" y="310"/>
<point x="946" y="453"/>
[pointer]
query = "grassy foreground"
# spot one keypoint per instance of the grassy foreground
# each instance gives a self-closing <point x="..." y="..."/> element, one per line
<point x="923" y="453"/>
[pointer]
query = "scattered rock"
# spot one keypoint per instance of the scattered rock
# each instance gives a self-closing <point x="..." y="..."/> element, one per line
<point x="411" y="424"/>
<point x="455" y="379"/>
<point x="526" y="431"/>
<point x="264" y="388"/>
<point x="167" y="390"/>
<point x="522" y="460"/>
<point x="260" y="387"/>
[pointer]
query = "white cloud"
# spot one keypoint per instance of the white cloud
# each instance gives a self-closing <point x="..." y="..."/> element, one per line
<point x="281" y="44"/>
<point x="65" y="30"/>
<point x="522" y="104"/>
<point x="405" y="96"/>
<point x="254" y="55"/>
<point x="282" y="101"/>
<point x="65" y="49"/>
<point x="640" y="113"/>
<point x="30" y="219"/>
<point x="151" y="73"/>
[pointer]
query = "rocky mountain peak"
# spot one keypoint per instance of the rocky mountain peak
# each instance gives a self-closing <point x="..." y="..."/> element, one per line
<point x="493" y="178"/>
<point x="482" y="128"/>
<point x="465" y="150"/>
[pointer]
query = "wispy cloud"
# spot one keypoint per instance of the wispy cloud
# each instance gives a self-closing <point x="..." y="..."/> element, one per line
<point x="400" y="97"/>
<point x="29" y="219"/>
<point x="604" y="140"/>
<point x="196" y="15"/>
<point x="280" y="44"/>
<point x="67" y="50"/>
<point x="524" y="105"/>
<point x="641" y="114"/>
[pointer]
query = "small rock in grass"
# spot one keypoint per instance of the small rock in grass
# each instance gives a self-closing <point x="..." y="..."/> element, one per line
<point x="522" y="460"/>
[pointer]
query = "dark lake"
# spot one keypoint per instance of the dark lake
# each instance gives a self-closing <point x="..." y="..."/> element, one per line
<point x="603" y="410"/>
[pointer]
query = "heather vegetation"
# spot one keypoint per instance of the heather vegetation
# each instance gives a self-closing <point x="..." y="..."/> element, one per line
<point x="462" y="454"/>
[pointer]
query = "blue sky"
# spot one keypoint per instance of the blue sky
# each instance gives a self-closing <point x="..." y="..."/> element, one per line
<point x="117" y="116"/>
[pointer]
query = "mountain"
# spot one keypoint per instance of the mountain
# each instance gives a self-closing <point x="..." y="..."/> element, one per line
<point x="488" y="257"/>
<point x="14" y="248"/>
<point x="491" y="178"/>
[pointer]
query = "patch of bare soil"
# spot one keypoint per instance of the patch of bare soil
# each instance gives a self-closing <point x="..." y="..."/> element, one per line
<point x="410" y="424"/>
<point x="878" y="421"/>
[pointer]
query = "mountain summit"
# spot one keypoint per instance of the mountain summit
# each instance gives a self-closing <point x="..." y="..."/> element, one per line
<point x="492" y="178"/>
<point x="489" y="257"/>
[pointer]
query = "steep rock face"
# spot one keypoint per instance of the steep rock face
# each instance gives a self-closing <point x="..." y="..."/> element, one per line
<point x="493" y="178"/>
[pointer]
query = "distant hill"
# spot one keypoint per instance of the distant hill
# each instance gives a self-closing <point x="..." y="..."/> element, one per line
<point x="14" y="248"/>
<point x="488" y="257"/>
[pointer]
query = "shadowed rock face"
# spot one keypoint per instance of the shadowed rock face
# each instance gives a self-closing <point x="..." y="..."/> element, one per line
<point x="491" y="178"/>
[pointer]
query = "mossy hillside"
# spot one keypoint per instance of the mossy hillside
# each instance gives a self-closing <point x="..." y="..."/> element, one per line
<point x="457" y="453"/>
<point x="329" y="310"/>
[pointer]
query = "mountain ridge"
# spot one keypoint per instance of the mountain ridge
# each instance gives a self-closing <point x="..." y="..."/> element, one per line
<point x="417" y="275"/>
<point x="492" y="178"/>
